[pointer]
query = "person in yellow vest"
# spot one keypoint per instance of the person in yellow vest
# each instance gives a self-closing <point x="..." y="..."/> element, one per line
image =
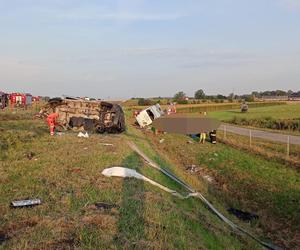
<point x="202" y="137"/>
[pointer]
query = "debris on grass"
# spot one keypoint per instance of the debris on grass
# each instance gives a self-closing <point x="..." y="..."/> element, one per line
<point x="105" y="206"/>
<point x="82" y="135"/>
<point x="26" y="203"/>
<point x="244" y="216"/>
<point x="3" y="238"/>
<point x="131" y="173"/>
<point x="30" y="155"/>
<point x="192" y="168"/>
<point x="161" y="140"/>
<point x="208" y="178"/>
<point x="106" y="144"/>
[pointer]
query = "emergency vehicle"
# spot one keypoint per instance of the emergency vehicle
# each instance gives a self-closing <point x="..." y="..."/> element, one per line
<point x="20" y="100"/>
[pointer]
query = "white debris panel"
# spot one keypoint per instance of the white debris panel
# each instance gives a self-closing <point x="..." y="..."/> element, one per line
<point x="131" y="173"/>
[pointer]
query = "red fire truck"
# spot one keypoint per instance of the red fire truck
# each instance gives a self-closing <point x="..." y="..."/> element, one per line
<point x="20" y="100"/>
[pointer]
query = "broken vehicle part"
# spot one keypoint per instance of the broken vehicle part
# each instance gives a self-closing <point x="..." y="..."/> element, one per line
<point x="105" y="206"/>
<point x="85" y="115"/>
<point x="131" y="173"/>
<point x="146" y="116"/>
<point x="82" y="135"/>
<point x="26" y="203"/>
<point x="245" y="216"/>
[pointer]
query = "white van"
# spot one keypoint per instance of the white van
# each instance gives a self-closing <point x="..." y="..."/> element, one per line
<point x="146" y="116"/>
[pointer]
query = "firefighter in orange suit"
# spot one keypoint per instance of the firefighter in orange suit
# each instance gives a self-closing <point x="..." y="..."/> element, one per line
<point x="51" y="120"/>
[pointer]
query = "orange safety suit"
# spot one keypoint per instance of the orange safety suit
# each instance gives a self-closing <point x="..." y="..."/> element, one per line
<point x="51" y="120"/>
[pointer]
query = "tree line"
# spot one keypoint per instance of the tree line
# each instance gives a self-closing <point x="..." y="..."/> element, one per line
<point x="199" y="95"/>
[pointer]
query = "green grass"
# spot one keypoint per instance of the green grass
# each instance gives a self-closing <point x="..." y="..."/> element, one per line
<point x="65" y="173"/>
<point x="245" y="181"/>
<point x="288" y="111"/>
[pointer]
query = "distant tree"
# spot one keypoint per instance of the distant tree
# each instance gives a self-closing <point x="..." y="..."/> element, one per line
<point x="182" y="101"/>
<point x="231" y="97"/>
<point x="290" y="92"/>
<point x="249" y="98"/>
<point x="221" y="97"/>
<point x="180" y="96"/>
<point x="199" y="94"/>
<point x="280" y="93"/>
<point x="256" y="94"/>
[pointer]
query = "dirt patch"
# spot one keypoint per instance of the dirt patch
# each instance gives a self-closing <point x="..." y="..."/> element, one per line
<point x="14" y="228"/>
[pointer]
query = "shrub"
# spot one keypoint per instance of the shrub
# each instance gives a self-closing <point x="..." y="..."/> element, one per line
<point x="145" y="102"/>
<point x="182" y="102"/>
<point x="268" y="122"/>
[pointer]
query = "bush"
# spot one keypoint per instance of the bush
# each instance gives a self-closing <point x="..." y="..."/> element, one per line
<point x="268" y="122"/>
<point x="182" y="102"/>
<point x="145" y="102"/>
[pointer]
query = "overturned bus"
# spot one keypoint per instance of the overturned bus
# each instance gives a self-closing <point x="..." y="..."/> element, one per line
<point x="87" y="115"/>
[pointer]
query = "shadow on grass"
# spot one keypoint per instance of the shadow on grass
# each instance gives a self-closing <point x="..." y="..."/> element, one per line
<point x="131" y="233"/>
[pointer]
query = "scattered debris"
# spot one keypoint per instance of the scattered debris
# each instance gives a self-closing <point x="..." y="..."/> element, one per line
<point x="26" y="203"/>
<point x="215" y="154"/>
<point x="86" y="148"/>
<point x="192" y="168"/>
<point x="244" y="216"/>
<point x="106" y="144"/>
<point x="161" y="140"/>
<point x="190" y="142"/>
<point x="82" y="135"/>
<point x="208" y="178"/>
<point x="105" y="206"/>
<point x="59" y="133"/>
<point x="30" y="155"/>
<point x="194" y="193"/>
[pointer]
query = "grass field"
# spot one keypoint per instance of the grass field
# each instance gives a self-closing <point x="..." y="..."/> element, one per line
<point x="288" y="111"/>
<point x="266" y="148"/>
<point x="65" y="172"/>
<point x="284" y="118"/>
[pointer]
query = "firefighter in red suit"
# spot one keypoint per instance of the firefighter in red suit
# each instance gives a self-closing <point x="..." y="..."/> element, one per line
<point x="51" y="120"/>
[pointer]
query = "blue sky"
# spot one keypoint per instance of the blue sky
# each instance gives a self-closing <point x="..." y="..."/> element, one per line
<point x="130" y="48"/>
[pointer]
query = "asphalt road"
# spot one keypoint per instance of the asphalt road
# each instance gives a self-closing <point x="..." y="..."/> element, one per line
<point x="276" y="137"/>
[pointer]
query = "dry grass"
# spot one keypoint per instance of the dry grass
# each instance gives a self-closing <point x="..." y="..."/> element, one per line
<point x="65" y="173"/>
